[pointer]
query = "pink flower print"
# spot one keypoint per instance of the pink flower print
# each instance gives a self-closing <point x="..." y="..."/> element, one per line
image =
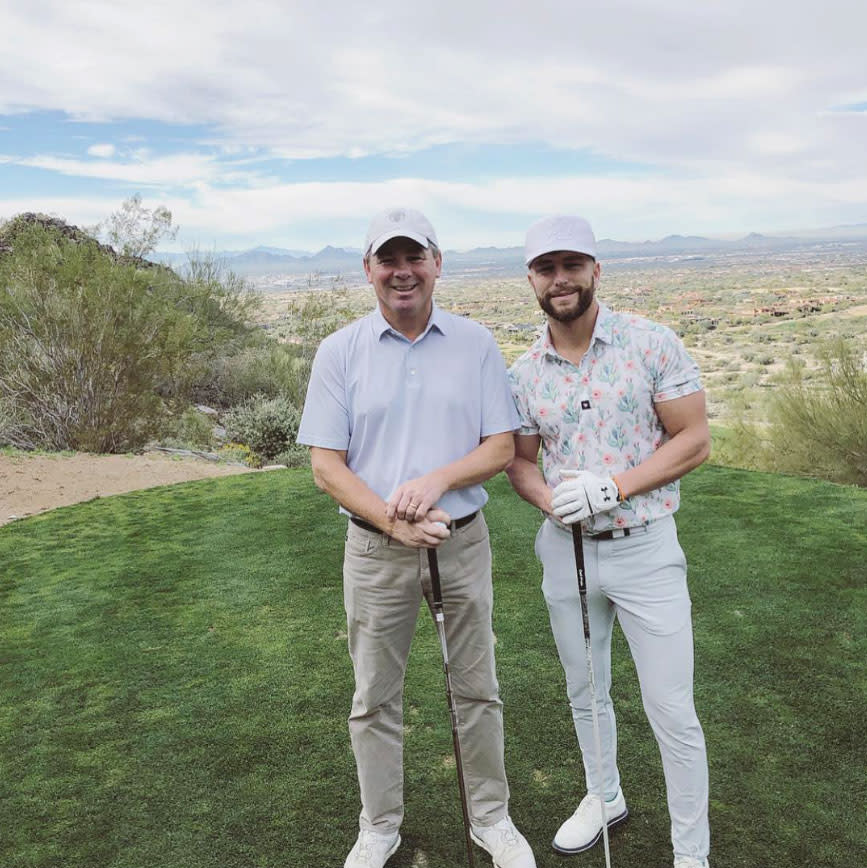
<point x="657" y="443"/>
<point x="567" y="379"/>
<point x="596" y="394"/>
<point x="608" y="459"/>
<point x="637" y="429"/>
<point x="563" y="406"/>
<point x="585" y="380"/>
<point x="580" y="437"/>
<point x="630" y="365"/>
<point x="628" y="457"/>
<point x="621" y="393"/>
<point x="543" y="411"/>
<point x="620" y="521"/>
<point x="668" y="504"/>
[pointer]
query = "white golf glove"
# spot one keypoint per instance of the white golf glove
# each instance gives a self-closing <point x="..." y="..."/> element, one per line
<point x="582" y="494"/>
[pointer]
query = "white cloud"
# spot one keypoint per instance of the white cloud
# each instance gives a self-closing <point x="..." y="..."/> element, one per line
<point x="177" y="170"/>
<point x="101" y="150"/>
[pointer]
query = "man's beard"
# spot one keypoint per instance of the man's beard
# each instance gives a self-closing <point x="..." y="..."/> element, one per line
<point x="585" y="299"/>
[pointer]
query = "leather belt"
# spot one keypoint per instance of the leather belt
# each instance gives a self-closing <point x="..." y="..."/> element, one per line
<point x="456" y="523"/>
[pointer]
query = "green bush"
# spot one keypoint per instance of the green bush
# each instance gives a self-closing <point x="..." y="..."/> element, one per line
<point x="264" y="367"/>
<point x="297" y="456"/>
<point x="190" y="430"/>
<point x="97" y="352"/>
<point x="267" y="425"/>
<point x="815" y="423"/>
<point x="821" y="429"/>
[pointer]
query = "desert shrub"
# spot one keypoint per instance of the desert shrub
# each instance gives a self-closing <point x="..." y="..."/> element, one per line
<point x="821" y="429"/>
<point x="190" y="430"/>
<point x="264" y="367"/>
<point x="267" y="425"/>
<point x="815" y="423"/>
<point x="296" y="456"/>
<point x="97" y="352"/>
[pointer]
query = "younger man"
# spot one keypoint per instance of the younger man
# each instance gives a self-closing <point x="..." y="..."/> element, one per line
<point x="616" y="405"/>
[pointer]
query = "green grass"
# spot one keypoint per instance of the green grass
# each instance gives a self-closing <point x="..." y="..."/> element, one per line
<point x="174" y="684"/>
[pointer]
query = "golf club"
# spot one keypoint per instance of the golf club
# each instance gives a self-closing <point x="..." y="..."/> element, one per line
<point x="440" y="621"/>
<point x="578" y="544"/>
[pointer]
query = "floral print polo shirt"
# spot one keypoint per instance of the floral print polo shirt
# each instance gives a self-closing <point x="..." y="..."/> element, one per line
<point x="599" y="415"/>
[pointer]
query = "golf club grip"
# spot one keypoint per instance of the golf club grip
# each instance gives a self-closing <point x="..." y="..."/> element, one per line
<point x="578" y="544"/>
<point x="435" y="586"/>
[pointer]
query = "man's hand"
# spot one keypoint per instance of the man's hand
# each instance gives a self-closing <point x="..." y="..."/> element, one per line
<point x="582" y="494"/>
<point x="413" y="499"/>
<point x="426" y="533"/>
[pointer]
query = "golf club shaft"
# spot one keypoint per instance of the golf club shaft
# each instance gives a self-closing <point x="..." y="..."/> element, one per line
<point x="440" y="622"/>
<point x="578" y="544"/>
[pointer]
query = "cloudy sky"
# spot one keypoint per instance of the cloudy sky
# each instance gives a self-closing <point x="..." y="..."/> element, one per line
<point x="289" y="123"/>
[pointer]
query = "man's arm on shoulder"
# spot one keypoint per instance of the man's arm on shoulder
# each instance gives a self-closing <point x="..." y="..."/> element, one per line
<point x="333" y="476"/>
<point x="486" y="460"/>
<point x="525" y="475"/>
<point x="685" y="422"/>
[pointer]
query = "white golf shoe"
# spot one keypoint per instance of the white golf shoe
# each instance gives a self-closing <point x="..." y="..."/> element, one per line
<point x="372" y="850"/>
<point x="690" y="862"/>
<point x="506" y="845"/>
<point x="584" y="828"/>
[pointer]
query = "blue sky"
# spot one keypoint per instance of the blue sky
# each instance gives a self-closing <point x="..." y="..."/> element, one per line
<point x="290" y="123"/>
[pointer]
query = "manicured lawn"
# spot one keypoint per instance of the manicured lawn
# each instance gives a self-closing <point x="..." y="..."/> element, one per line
<point x="174" y="684"/>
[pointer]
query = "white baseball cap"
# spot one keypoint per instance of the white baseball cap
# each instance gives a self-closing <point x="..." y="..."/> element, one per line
<point x="559" y="233"/>
<point x="399" y="223"/>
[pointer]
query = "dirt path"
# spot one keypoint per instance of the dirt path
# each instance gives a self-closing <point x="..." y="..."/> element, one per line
<point x="30" y="484"/>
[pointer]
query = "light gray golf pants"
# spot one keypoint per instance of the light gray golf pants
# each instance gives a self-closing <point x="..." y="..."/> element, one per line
<point x="383" y="583"/>
<point x="642" y="580"/>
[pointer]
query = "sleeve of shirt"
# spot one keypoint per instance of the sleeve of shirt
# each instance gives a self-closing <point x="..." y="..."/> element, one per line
<point x="325" y="419"/>
<point x="498" y="408"/>
<point x="526" y="424"/>
<point x="678" y="374"/>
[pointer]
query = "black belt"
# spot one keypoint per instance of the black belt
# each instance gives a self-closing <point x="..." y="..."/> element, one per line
<point x="616" y="533"/>
<point x="457" y="523"/>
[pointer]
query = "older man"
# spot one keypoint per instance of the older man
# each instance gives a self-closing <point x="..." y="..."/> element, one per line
<point x="408" y="411"/>
<point x="616" y="405"/>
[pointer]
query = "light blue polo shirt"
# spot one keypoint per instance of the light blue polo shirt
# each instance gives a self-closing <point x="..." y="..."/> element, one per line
<point x="402" y="408"/>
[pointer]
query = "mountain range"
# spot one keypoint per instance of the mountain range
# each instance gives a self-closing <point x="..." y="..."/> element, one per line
<point x="260" y="261"/>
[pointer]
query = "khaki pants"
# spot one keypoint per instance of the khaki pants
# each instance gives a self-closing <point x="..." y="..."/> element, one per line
<point x="383" y="586"/>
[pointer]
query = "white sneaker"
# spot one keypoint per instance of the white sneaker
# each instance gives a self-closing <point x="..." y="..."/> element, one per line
<point x="372" y="850"/>
<point x="584" y="828"/>
<point x="690" y="862"/>
<point x="505" y="844"/>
